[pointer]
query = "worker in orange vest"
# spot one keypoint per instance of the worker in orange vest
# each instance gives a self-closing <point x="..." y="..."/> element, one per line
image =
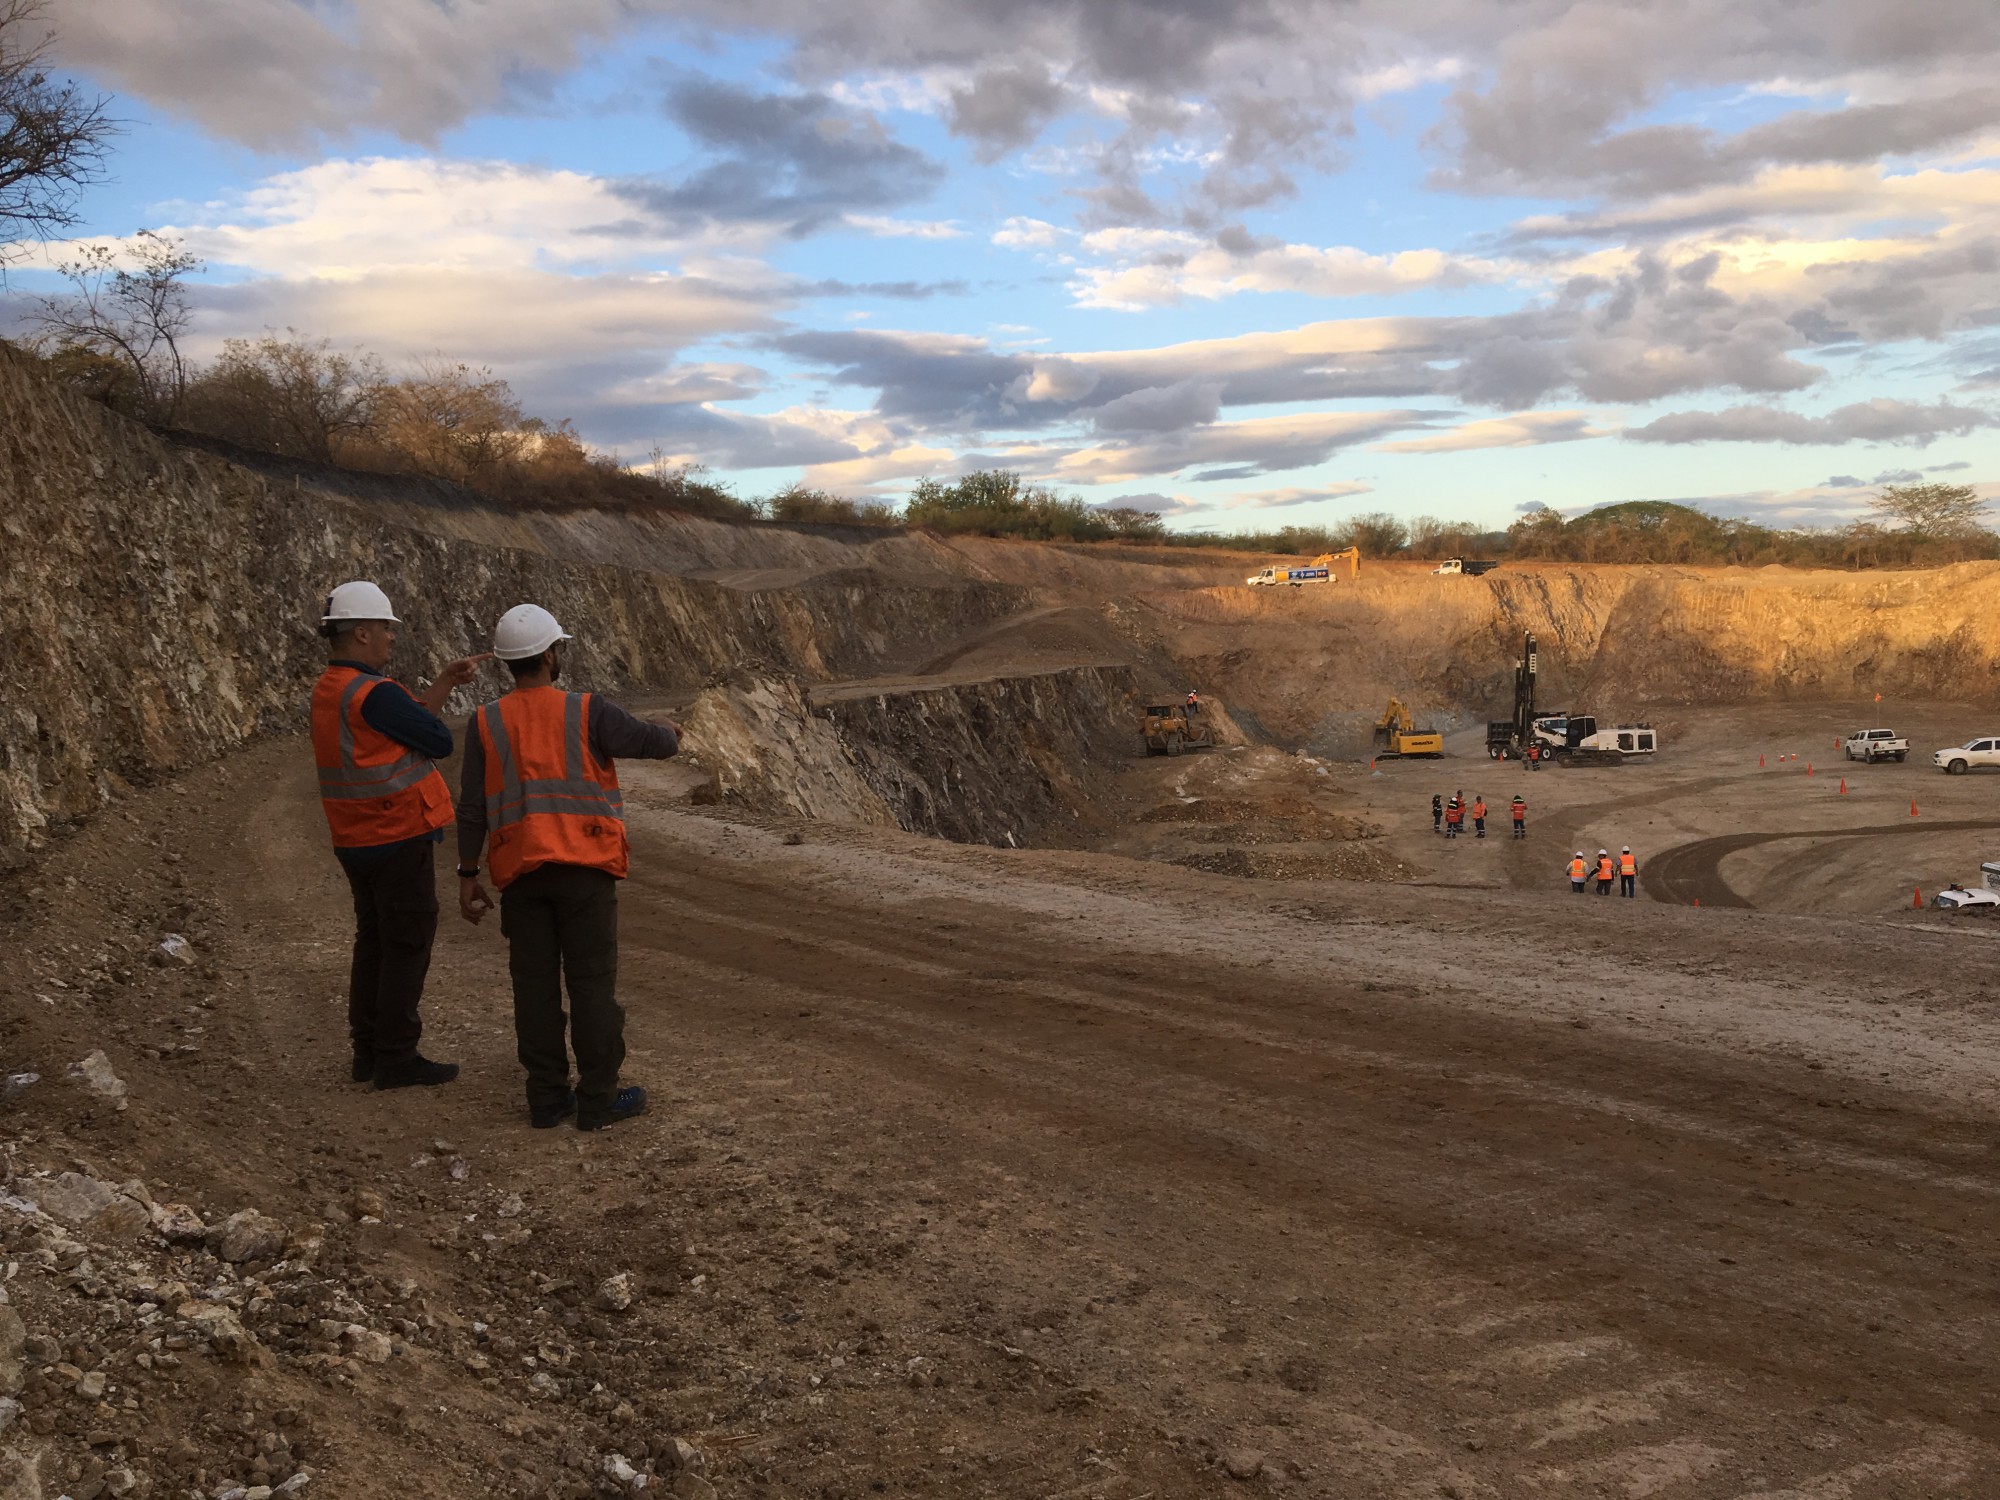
<point x="541" y="794"/>
<point x="1454" y="818"/>
<point x="1520" y="812"/>
<point x="386" y="806"/>
<point x="1605" y="870"/>
<point x="1478" y="815"/>
<point x="1579" y="873"/>
<point x="1628" y="873"/>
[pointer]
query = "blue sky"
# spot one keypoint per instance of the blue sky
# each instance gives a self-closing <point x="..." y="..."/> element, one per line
<point x="1250" y="263"/>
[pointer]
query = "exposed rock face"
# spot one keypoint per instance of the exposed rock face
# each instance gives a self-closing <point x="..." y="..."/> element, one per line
<point x="158" y="604"/>
<point x="996" y="761"/>
<point x="991" y="762"/>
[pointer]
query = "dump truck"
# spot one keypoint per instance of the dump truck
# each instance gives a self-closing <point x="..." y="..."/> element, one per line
<point x="1167" y="729"/>
<point x="1559" y="736"/>
<point x="1319" y="570"/>
<point x="1396" y="734"/>
<point x="1470" y="567"/>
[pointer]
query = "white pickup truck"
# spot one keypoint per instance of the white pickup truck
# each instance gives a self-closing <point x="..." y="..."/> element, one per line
<point x="1876" y="744"/>
<point x="1956" y="760"/>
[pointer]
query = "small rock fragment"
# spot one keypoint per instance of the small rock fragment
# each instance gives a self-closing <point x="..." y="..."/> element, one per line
<point x="616" y="1292"/>
<point x="367" y="1344"/>
<point x="368" y="1204"/>
<point x="13" y="1338"/>
<point x="176" y="949"/>
<point x="178" y="1224"/>
<point x="247" y="1235"/>
<point x="1242" y="1463"/>
<point x="17" y="1084"/>
<point x="686" y="1458"/>
<point x="511" y="1206"/>
<point x="98" y="1076"/>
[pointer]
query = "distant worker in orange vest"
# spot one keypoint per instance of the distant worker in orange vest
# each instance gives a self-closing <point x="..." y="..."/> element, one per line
<point x="1520" y="812"/>
<point x="1454" y="818"/>
<point x="1478" y="815"/>
<point x="1605" y="870"/>
<point x="386" y="805"/>
<point x="1579" y="873"/>
<point x="1628" y="873"/>
<point x="541" y="794"/>
<point x="1194" y="701"/>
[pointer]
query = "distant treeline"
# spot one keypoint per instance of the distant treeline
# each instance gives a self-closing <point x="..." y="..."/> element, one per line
<point x="303" y="399"/>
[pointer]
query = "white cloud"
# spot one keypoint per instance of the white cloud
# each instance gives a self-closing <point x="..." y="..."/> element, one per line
<point x="1020" y="233"/>
<point x="909" y="229"/>
<point x="1155" y="267"/>
<point x="1298" y="495"/>
<point x="1524" y="430"/>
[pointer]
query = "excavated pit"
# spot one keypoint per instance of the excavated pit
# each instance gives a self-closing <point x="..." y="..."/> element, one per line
<point x="158" y="601"/>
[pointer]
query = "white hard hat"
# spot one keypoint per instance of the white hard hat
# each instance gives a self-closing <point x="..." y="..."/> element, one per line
<point x="357" y="601"/>
<point x="1603" y="851"/>
<point x="526" y="630"/>
<point x="1626" y="850"/>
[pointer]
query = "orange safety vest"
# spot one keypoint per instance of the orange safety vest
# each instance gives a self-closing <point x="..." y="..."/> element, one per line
<point x="1578" y="869"/>
<point x="1520" y="809"/>
<point x="1453" y="813"/>
<point x="374" y="790"/>
<point x="1604" y="869"/>
<point x="1479" y="808"/>
<point x="549" y="800"/>
<point x="1627" y="865"/>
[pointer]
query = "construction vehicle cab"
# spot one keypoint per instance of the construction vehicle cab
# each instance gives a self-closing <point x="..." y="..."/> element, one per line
<point x="1396" y="734"/>
<point x="1166" y="729"/>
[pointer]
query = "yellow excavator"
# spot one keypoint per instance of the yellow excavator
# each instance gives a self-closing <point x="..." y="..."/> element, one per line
<point x="1397" y="734"/>
<point x="1352" y="557"/>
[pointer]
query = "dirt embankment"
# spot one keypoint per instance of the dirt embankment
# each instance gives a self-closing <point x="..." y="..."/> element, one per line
<point x="1313" y="665"/>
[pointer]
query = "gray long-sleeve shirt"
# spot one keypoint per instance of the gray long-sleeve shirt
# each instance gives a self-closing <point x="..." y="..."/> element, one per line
<point x="614" y="735"/>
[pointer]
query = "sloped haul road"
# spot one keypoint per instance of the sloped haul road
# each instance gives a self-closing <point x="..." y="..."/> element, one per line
<point x="1152" y="1173"/>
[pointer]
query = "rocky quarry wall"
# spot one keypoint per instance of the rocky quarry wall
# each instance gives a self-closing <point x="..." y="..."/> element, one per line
<point x="158" y="599"/>
<point x="158" y="602"/>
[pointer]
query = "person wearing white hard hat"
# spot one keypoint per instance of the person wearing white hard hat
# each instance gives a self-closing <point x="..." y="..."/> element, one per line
<point x="386" y="806"/>
<point x="540" y="795"/>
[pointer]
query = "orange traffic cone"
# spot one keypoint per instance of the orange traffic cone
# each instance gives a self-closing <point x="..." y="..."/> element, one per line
<point x="1760" y="762"/>
<point x="1913" y="807"/>
<point x="1808" y="768"/>
<point x="1878" y="697"/>
<point x="1917" y="900"/>
<point x="1697" y="901"/>
<point x="1843" y="786"/>
<point x="1371" y="762"/>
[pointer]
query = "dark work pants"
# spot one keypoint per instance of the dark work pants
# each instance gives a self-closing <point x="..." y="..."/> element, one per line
<point x="1603" y="886"/>
<point x="561" y="924"/>
<point x="1628" y="885"/>
<point x="395" y="919"/>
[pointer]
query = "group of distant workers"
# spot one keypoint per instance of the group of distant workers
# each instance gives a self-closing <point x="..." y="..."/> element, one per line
<point x="538" y="794"/>
<point x="1624" y="869"/>
<point x="1448" y="815"/>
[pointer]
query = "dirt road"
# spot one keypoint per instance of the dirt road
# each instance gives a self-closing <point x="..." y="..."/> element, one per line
<point x="1059" y="1174"/>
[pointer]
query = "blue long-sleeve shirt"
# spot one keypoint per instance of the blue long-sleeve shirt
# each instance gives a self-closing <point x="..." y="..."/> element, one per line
<point x="390" y="710"/>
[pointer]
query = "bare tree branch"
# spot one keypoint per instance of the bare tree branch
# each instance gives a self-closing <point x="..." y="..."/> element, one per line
<point x="53" y="136"/>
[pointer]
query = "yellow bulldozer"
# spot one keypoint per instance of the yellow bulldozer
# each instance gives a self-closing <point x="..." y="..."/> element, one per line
<point x="1397" y="734"/>
<point x="1168" y="729"/>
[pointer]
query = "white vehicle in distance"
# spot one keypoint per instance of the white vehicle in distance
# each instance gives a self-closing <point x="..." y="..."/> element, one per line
<point x="1956" y="760"/>
<point x="1876" y="744"/>
<point x="1958" y="898"/>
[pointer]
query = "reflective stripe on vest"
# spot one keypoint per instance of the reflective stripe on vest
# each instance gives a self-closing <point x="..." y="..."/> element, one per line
<point x="571" y="817"/>
<point x="372" y="789"/>
<point x="1627" y="865"/>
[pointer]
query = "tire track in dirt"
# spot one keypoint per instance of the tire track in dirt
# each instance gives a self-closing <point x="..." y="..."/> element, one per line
<point x="1692" y="872"/>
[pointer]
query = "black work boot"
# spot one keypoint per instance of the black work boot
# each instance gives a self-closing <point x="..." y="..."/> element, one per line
<point x="548" y="1116"/>
<point x="631" y="1101"/>
<point x="364" y="1063"/>
<point x="417" y="1072"/>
